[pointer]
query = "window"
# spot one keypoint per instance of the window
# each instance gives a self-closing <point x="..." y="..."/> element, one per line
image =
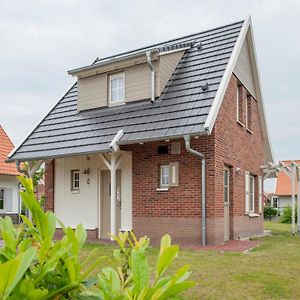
<point x="226" y="185"/>
<point x="248" y="112"/>
<point x="116" y="88"/>
<point x="239" y="104"/>
<point x="75" y="180"/>
<point x="251" y="193"/>
<point x="1" y="199"/>
<point x="275" y="202"/>
<point x="164" y="175"/>
<point x="169" y="175"/>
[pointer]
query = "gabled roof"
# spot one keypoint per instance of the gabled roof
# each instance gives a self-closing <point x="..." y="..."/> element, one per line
<point x="6" y="146"/>
<point x="184" y="107"/>
<point x="284" y="183"/>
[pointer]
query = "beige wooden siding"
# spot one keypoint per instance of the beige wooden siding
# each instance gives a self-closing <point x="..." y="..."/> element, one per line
<point x="243" y="68"/>
<point x="92" y="92"/>
<point x="138" y="82"/>
<point x="167" y="66"/>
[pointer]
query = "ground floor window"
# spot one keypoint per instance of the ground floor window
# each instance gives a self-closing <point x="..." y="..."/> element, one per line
<point x="251" y="193"/>
<point x="75" y="180"/>
<point x="1" y="198"/>
<point x="164" y="175"/>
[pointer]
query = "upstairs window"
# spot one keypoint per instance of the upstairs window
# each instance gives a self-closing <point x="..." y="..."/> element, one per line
<point x="239" y="104"/>
<point x="116" y="88"/>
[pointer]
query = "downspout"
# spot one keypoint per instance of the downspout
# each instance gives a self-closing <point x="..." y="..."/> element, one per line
<point x="150" y="64"/>
<point x="203" y="200"/>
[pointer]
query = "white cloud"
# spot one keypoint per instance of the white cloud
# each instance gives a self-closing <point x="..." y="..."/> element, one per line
<point x="41" y="40"/>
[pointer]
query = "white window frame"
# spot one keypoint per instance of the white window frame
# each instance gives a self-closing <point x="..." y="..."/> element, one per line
<point x="112" y="77"/>
<point x="73" y="180"/>
<point x="251" y="194"/>
<point x="162" y="184"/>
<point x="226" y="187"/>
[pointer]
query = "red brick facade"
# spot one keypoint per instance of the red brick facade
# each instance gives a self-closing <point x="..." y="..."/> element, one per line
<point x="49" y="185"/>
<point x="178" y="210"/>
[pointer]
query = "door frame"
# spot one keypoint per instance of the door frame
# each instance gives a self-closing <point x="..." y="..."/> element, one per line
<point x="227" y="224"/>
<point x="126" y="191"/>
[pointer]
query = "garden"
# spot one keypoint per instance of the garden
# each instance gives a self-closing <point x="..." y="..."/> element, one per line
<point x="32" y="266"/>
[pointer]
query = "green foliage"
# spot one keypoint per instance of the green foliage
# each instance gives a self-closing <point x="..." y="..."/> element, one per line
<point x="269" y="212"/>
<point x="132" y="278"/>
<point x="286" y="216"/>
<point x="33" y="266"/>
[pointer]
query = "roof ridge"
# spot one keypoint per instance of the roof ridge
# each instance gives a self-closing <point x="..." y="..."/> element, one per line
<point x="164" y="42"/>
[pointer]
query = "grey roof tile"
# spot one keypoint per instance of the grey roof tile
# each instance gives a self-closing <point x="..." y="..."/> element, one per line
<point x="181" y="109"/>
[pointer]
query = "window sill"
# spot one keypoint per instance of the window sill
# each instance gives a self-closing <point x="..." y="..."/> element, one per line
<point x="113" y="104"/>
<point x="75" y="192"/>
<point x="253" y="215"/>
<point x="240" y="123"/>
<point x="162" y="189"/>
<point x="249" y="130"/>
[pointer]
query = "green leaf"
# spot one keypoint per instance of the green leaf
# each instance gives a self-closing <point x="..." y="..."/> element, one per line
<point x="140" y="269"/>
<point x="165" y="258"/>
<point x="176" y="289"/>
<point x="13" y="270"/>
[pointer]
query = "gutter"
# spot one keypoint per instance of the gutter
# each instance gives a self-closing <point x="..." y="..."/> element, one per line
<point x="150" y="64"/>
<point x="203" y="193"/>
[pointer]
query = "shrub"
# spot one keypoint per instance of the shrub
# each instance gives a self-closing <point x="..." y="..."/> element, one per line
<point x="33" y="266"/>
<point x="269" y="212"/>
<point x="286" y="216"/>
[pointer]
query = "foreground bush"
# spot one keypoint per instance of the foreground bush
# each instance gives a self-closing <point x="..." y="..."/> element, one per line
<point x="33" y="266"/>
<point x="270" y="212"/>
<point x="286" y="216"/>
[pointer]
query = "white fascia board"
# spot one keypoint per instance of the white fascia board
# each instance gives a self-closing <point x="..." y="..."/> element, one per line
<point x="211" y="118"/>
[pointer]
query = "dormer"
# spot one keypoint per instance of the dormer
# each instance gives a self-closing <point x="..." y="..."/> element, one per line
<point x="118" y="80"/>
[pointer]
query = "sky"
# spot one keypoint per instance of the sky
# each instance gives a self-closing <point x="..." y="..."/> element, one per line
<point x="41" y="40"/>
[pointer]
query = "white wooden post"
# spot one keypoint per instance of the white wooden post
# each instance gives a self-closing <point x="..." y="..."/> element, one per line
<point x="293" y="178"/>
<point x="298" y="198"/>
<point x="113" y="193"/>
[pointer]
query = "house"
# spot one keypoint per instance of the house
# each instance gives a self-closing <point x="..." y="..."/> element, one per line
<point x="9" y="183"/>
<point x="168" y="138"/>
<point x="283" y="189"/>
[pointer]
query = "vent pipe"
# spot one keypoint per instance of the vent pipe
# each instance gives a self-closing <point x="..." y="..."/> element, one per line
<point x="150" y="64"/>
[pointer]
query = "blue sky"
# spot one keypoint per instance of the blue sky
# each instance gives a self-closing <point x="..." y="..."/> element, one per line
<point x="41" y="40"/>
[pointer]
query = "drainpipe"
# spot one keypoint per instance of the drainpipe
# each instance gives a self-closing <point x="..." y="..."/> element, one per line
<point x="150" y="64"/>
<point x="203" y="200"/>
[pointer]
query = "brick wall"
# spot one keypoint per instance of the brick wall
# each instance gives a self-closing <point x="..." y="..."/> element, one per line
<point x="239" y="148"/>
<point x="178" y="211"/>
<point x="49" y="185"/>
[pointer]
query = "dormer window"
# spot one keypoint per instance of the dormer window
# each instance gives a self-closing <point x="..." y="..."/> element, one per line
<point x="116" y="88"/>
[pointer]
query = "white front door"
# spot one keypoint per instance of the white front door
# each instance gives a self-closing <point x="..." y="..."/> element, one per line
<point x="226" y="204"/>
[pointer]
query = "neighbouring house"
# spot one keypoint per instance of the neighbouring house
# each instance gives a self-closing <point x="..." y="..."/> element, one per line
<point x="9" y="183"/>
<point x="283" y="189"/>
<point x="168" y="138"/>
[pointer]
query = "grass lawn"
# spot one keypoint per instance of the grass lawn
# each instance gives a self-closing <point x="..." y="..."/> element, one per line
<point x="270" y="271"/>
